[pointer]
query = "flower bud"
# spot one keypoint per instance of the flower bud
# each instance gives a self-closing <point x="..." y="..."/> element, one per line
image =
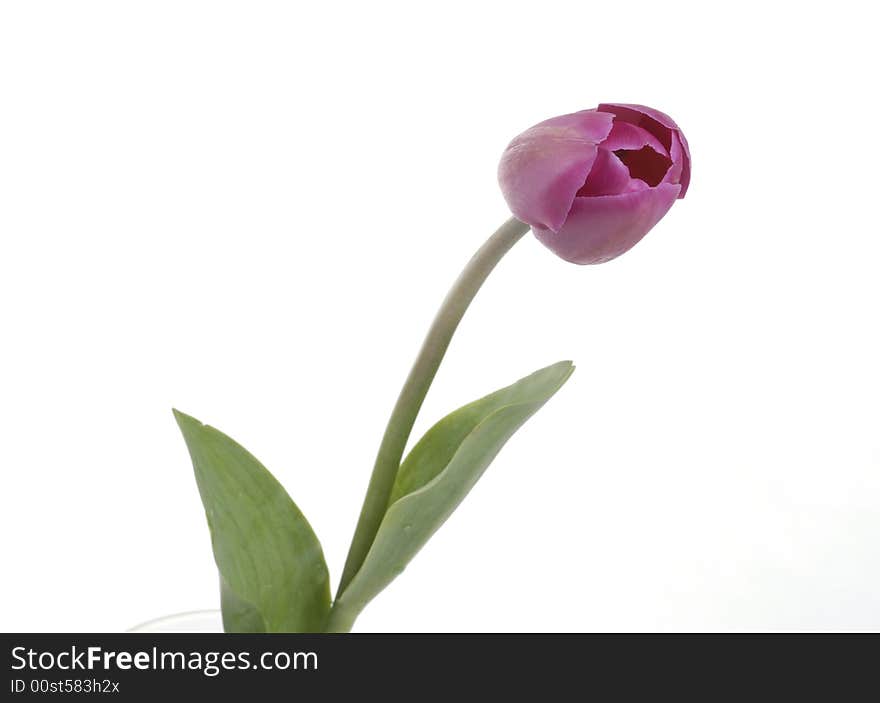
<point x="593" y="183"/>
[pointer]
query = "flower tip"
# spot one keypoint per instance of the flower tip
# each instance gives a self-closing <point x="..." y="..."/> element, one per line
<point x="591" y="184"/>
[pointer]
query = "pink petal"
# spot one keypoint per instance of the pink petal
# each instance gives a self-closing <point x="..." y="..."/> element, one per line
<point x="591" y="125"/>
<point x="661" y="126"/>
<point x="631" y="137"/>
<point x="600" y="228"/>
<point x="608" y="176"/>
<point x="685" y="179"/>
<point x="544" y="167"/>
<point x="636" y="184"/>
<point x="642" y="116"/>
<point x="673" y="175"/>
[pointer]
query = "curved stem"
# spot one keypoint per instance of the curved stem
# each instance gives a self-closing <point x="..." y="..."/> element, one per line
<point x="416" y="388"/>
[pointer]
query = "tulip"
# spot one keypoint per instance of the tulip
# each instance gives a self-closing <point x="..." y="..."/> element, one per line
<point x="589" y="185"/>
<point x="592" y="183"/>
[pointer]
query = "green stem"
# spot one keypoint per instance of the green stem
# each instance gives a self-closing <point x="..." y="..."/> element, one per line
<point x="341" y="618"/>
<point x="416" y="388"/>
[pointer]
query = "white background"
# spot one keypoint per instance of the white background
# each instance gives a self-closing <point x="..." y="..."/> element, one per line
<point x="251" y="210"/>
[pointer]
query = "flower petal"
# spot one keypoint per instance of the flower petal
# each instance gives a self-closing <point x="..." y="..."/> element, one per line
<point x="628" y="136"/>
<point x="608" y="176"/>
<point x="673" y="175"/>
<point x="600" y="228"/>
<point x="591" y="125"/>
<point x="685" y="178"/>
<point x="544" y="167"/>
<point x="636" y="184"/>
<point x="657" y="123"/>
<point x="661" y="126"/>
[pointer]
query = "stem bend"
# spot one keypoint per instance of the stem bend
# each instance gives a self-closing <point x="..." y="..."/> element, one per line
<point x="416" y="387"/>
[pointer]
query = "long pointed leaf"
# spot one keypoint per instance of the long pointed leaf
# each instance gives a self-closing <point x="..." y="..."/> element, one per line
<point x="238" y="615"/>
<point x="439" y="472"/>
<point x="272" y="569"/>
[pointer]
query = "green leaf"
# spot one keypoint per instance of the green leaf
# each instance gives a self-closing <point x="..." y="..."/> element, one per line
<point x="272" y="570"/>
<point x="438" y="473"/>
<point x="238" y="615"/>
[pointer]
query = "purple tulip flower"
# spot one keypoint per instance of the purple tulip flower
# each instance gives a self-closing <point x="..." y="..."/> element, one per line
<point x="593" y="183"/>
